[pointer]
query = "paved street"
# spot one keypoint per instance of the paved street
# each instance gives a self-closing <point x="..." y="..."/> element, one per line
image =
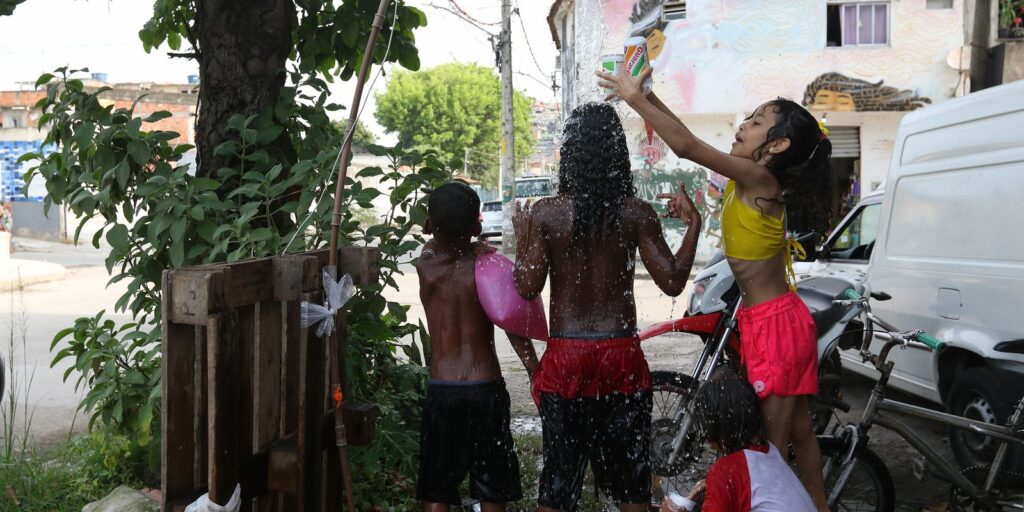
<point x="41" y="310"/>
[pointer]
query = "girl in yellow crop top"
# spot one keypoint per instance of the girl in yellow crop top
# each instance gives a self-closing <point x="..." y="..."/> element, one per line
<point x="779" y="179"/>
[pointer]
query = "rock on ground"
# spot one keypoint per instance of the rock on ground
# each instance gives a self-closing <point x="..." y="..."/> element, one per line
<point x="123" y="499"/>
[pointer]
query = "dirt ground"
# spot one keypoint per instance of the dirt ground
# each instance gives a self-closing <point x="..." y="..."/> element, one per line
<point x="678" y="352"/>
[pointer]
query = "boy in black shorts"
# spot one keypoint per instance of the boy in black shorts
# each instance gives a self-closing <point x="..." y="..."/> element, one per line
<point x="466" y="410"/>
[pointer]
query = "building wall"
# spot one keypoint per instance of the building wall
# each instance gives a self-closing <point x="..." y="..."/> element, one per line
<point x="728" y="56"/>
<point x="20" y="105"/>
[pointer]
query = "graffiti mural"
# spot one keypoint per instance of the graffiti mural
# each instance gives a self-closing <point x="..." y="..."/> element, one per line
<point x="653" y="174"/>
<point x="729" y="56"/>
<point x="838" y="92"/>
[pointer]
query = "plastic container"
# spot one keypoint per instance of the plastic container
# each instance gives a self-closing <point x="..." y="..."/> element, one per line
<point x="496" y="289"/>
<point x="636" y="59"/>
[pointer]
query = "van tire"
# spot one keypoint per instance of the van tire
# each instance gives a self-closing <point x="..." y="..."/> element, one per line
<point x="977" y="394"/>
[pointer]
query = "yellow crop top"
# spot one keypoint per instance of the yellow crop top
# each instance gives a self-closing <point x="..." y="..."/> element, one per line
<point x="748" y="234"/>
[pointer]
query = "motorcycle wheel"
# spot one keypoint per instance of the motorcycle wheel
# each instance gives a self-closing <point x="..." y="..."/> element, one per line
<point x="869" y="488"/>
<point x="671" y="392"/>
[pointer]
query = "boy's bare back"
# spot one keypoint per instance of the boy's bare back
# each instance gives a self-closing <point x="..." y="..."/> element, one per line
<point x="461" y="335"/>
<point x="592" y="285"/>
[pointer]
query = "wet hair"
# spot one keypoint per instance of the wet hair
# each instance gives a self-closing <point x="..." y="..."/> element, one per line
<point x="594" y="170"/>
<point x="729" y="412"/>
<point x="454" y="209"/>
<point x="802" y="170"/>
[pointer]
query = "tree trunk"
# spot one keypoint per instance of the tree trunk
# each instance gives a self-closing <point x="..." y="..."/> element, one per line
<point x="243" y="45"/>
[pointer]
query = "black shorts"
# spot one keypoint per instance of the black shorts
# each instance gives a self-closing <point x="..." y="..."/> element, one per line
<point x="466" y="430"/>
<point x="612" y="431"/>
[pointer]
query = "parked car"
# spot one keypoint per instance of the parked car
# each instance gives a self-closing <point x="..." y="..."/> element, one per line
<point x="946" y="240"/>
<point x="533" y="188"/>
<point x="490" y="211"/>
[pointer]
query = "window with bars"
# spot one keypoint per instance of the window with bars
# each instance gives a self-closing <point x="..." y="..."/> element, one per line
<point x="858" y="23"/>
<point x="674" y="10"/>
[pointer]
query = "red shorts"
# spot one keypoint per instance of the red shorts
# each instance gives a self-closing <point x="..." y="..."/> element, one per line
<point x="780" y="347"/>
<point x="575" y="368"/>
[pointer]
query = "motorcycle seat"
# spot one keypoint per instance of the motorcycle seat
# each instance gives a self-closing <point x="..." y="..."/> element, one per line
<point x="818" y="294"/>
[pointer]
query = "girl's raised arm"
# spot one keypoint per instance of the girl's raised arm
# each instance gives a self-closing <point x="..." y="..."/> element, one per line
<point x="677" y="136"/>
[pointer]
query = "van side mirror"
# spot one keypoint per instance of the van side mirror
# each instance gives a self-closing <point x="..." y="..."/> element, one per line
<point x="807" y="240"/>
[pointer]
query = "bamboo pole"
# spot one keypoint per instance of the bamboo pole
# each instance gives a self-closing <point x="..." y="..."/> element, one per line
<point x="341" y="436"/>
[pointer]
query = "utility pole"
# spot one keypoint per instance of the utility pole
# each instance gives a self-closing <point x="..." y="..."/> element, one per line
<point x="507" y="173"/>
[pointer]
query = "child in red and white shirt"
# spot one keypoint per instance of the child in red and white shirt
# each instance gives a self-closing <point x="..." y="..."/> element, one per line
<point x="751" y="475"/>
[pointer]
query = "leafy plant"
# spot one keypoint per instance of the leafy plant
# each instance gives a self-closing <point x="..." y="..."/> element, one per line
<point x="156" y="215"/>
<point x="1011" y="16"/>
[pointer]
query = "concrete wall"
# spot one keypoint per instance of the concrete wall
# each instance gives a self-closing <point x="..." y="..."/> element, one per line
<point x="732" y="55"/>
<point x="1013" y="62"/>
<point x="31" y="222"/>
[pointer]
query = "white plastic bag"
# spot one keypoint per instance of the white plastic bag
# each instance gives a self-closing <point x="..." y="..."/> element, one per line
<point x="203" y="504"/>
<point x="338" y="292"/>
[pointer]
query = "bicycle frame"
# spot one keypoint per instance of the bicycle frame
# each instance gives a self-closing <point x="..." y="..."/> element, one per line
<point x="875" y="413"/>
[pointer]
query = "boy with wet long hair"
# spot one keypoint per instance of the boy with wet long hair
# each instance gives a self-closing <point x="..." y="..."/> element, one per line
<point x="593" y="385"/>
<point x="466" y="410"/>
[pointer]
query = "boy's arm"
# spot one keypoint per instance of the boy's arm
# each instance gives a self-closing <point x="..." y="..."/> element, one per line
<point x="669" y="271"/>
<point x="527" y="354"/>
<point x="531" y="253"/>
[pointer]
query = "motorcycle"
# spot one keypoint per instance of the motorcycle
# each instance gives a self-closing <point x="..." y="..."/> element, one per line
<point x="679" y="458"/>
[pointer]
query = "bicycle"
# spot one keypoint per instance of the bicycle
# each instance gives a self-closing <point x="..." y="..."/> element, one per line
<point x="680" y="457"/>
<point x="990" y="488"/>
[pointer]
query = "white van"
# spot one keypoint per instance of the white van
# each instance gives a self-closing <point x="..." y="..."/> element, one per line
<point x="946" y="240"/>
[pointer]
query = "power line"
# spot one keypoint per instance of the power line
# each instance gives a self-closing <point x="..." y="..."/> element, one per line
<point x="466" y="14"/>
<point x="464" y="18"/>
<point x="527" y="38"/>
<point x="535" y="79"/>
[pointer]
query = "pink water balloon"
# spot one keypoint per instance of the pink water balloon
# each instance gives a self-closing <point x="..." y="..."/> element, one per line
<point x="496" y="289"/>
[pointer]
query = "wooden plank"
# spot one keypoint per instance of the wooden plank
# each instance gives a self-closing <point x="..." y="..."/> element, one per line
<point x="199" y="421"/>
<point x="311" y="399"/>
<point x="224" y="405"/>
<point x="363" y="263"/>
<point x="282" y="473"/>
<point x="245" y="386"/>
<point x="294" y="274"/>
<point x="294" y="339"/>
<point x="177" y="441"/>
<point x="267" y="378"/>
<point x="195" y="294"/>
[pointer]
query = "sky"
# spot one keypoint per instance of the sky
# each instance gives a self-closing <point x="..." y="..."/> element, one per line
<point x="102" y="35"/>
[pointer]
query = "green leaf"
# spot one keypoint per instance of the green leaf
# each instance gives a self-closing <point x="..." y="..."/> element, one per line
<point x="117" y="237"/>
<point x="178" y="230"/>
<point x="268" y="134"/>
<point x="139" y="151"/>
<point x="158" y="115"/>
<point x="261" y="234"/>
<point x="196" y="212"/>
<point x="121" y="173"/>
<point x="43" y="78"/>
<point x="177" y="254"/>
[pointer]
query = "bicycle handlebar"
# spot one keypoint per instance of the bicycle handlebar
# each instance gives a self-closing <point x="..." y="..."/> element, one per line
<point x="931" y="341"/>
<point x="921" y="336"/>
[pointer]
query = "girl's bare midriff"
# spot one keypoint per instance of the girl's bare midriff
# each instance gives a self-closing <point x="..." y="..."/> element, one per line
<point x="760" y="280"/>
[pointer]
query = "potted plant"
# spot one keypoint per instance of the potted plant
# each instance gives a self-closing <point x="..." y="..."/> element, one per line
<point x="1011" y="19"/>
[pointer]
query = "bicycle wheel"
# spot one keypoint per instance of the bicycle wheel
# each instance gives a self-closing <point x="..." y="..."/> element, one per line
<point x="670" y="393"/>
<point x="869" y="487"/>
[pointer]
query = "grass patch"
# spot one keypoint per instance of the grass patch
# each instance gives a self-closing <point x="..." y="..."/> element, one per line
<point x="65" y="478"/>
